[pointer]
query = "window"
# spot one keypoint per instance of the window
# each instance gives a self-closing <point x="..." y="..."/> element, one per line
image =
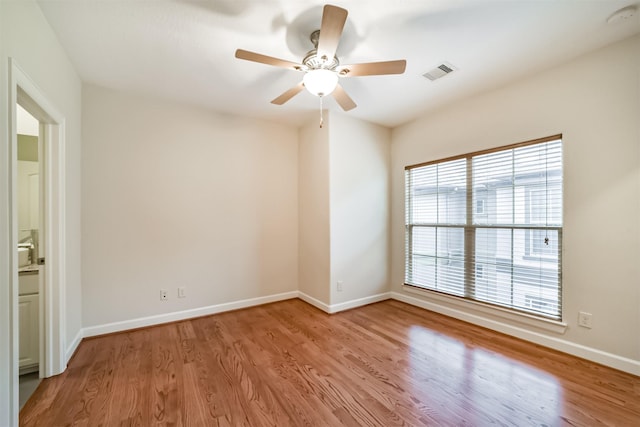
<point x="488" y="226"/>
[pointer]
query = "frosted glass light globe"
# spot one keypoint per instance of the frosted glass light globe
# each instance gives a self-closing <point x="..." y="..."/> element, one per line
<point x="320" y="82"/>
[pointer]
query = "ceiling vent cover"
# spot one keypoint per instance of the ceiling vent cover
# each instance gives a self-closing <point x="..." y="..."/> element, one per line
<point x="439" y="71"/>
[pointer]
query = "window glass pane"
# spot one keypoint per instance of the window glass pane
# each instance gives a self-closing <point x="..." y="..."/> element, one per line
<point x="493" y="183"/>
<point x="452" y="192"/>
<point x="535" y="278"/>
<point x="538" y="178"/>
<point x="438" y="259"/>
<point x="450" y="272"/>
<point x="493" y="271"/>
<point x="519" y="186"/>
<point x="506" y="274"/>
<point x="423" y="192"/>
<point x="438" y="193"/>
<point x="542" y="244"/>
<point x="423" y="257"/>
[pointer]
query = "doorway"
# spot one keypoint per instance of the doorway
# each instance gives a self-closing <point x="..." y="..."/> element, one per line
<point x="52" y="356"/>
<point x="30" y="270"/>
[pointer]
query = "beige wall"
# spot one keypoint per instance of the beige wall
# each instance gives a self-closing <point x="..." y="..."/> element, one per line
<point x="24" y="196"/>
<point x="179" y="196"/>
<point x="594" y="101"/>
<point x="26" y="37"/>
<point x="313" y="208"/>
<point x="27" y="145"/>
<point x="359" y="159"/>
<point x="344" y="211"/>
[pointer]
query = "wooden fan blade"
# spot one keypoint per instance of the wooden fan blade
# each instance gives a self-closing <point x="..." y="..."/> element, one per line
<point x="288" y="94"/>
<point x="264" y="59"/>
<point x="373" y="68"/>
<point x="333" y="20"/>
<point x="343" y="99"/>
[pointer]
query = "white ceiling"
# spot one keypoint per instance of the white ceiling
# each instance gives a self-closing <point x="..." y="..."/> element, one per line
<point x="184" y="49"/>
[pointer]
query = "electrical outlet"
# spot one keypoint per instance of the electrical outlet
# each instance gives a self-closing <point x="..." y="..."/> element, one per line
<point x="164" y="295"/>
<point x="182" y="292"/>
<point x="339" y="287"/>
<point x="585" y="319"/>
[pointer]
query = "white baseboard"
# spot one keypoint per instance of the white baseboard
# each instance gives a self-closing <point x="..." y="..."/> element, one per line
<point x="608" y="359"/>
<point x="314" y="302"/>
<point x="142" y="322"/>
<point x="347" y="305"/>
<point x="73" y="346"/>
<point x="185" y="314"/>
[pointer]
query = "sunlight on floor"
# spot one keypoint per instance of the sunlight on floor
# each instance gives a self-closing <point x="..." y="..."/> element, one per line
<point x="481" y="381"/>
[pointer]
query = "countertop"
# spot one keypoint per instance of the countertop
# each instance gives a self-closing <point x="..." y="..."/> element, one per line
<point x="31" y="268"/>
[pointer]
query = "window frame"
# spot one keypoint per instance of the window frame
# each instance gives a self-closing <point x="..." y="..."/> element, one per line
<point x="470" y="228"/>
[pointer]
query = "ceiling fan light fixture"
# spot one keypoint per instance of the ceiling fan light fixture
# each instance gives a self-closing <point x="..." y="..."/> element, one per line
<point x="321" y="66"/>
<point x="320" y="82"/>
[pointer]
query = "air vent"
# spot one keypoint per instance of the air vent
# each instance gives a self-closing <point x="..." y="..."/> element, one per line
<point x="439" y="71"/>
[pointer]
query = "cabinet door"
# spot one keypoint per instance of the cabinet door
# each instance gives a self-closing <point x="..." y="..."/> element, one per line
<point x="28" y="323"/>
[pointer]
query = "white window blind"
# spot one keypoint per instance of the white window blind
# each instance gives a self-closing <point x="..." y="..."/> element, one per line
<point x="488" y="226"/>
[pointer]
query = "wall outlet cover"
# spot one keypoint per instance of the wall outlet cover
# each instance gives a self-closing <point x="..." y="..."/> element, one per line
<point x="585" y="319"/>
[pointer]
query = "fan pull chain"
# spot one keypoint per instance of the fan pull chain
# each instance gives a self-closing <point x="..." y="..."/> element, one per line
<point x="321" y="121"/>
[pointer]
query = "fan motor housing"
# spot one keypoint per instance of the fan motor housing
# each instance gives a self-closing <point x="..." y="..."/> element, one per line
<point x="313" y="62"/>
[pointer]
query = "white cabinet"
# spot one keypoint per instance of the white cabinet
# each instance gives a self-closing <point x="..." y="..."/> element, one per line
<point x="28" y="321"/>
<point x="28" y="282"/>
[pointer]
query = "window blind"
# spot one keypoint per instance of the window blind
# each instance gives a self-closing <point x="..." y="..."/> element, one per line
<point x="487" y="226"/>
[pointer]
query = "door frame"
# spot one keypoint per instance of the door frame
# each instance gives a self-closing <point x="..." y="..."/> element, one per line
<point x="24" y="91"/>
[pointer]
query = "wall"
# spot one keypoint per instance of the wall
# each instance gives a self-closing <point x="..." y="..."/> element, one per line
<point x="594" y="101"/>
<point x="313" y="208"/>
<point x="176" y="196"/>
<point x="359" y="158"/>
<point x="28" y="206"/>
<point x="25" y="170"/>
<point x="344" y="212"/>
<point x="27" y="145"/>
<point x="26" y="37"/>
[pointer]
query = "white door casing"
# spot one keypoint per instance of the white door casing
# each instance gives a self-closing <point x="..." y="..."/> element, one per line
<point x="24" y="91"/>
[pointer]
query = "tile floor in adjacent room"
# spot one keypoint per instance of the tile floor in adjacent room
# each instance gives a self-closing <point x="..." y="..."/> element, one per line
<point x="28" y="384"/>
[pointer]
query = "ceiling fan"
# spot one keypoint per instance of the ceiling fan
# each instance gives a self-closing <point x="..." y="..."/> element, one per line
<point x="321" y="67"/>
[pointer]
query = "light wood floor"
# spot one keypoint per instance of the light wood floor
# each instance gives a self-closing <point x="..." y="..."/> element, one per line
<point x="289" y="364"/>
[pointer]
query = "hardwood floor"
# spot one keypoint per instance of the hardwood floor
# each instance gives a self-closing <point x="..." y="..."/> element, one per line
<point x="289" y="364"/>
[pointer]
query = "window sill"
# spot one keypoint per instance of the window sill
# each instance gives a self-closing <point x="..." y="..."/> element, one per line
<point x="479" y="308"/>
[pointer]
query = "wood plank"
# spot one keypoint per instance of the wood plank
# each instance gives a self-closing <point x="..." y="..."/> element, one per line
<point x="289" y="364"/>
